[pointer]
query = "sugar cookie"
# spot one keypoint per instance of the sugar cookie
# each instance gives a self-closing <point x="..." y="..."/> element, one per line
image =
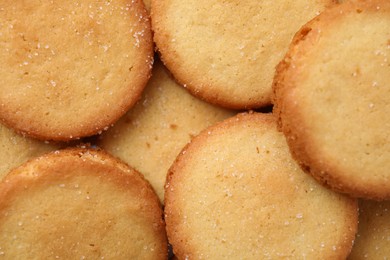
<point x="76" y="204"/>
<point x="332" y="95"/>
<point x="235" y="193"/>
<point x="70" y="69"/>
<point x="225" y="52"/>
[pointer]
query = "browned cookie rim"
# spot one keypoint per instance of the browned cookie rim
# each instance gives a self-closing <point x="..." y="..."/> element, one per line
<point x="173" y="216"/>
<point x="38" y="172"/>
<point x="58" y="129"/>
<point x="284" y="81"/>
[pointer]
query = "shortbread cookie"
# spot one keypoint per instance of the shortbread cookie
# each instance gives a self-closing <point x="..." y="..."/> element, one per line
<point x="70" y="69"/>
<point x="235" y="193"/>
<point x="16" y="149"/>
<point x="151" y="135"/>
<point x="225" y="52"/>
<point x="79" y="204"/>
<point x="373" y="237"/>
<point x="332" y="95"/>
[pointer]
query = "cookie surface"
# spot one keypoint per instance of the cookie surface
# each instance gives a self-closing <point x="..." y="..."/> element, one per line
<point x="71" y="69"/>
<point x="235" y="193"/>
<point x="16" y="149"/>
<point x="331" y="96"/>
<point x="225" y="52"/>
<point x="147" y="4"/>
<point x="373" y="237"/>
<point x="76" y="204"/>
<point x="158" y="127"/>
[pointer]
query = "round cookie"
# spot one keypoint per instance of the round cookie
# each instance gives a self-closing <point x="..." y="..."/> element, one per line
<point x="71" y="69"/>
<point x="159" y="126"/>
<point x="331" y="97"/>
<point x="373" y="236"/>
<point x="16" y="149"/>
<point x="225" y="52"/>
<point x="235" y="193"/>
<point x="79" y="204"/>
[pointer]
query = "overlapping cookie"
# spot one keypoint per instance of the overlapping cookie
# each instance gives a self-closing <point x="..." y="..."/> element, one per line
<point x="79" y="204"/>
<point x="16" y="149"/>
<point x="151" y="135"/>
<point x="373" y="237"/>
<point x="235" y="192"/>
<point x="71" y="69"/>
<point x="225" y="52"/>
<point x="332" y="95"/>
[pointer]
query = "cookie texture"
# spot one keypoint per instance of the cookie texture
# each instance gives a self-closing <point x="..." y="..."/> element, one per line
<point x="147" y="4"/>
<point x="331" y="98"/>
<point x="16" y="149"/>
<point x="159" y="126"/>
<point x="76" y="204"/>
<point x="71" y="69"/>
<point x="235" y="192"/>
<point x="373" y="237"/>
<point x="225" y="52"/>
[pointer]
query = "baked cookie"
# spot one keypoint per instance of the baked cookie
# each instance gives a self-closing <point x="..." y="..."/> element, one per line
<point x="159" y="126"/>
<point x="79" y="204"/>
<point x="16" y="149"/>
<point x="332" y="94"/>
<point x="225" y="52"/>
<point x="235" y="193"/>
<point x="71" y="69"/>
<point x="373" y="237"/>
